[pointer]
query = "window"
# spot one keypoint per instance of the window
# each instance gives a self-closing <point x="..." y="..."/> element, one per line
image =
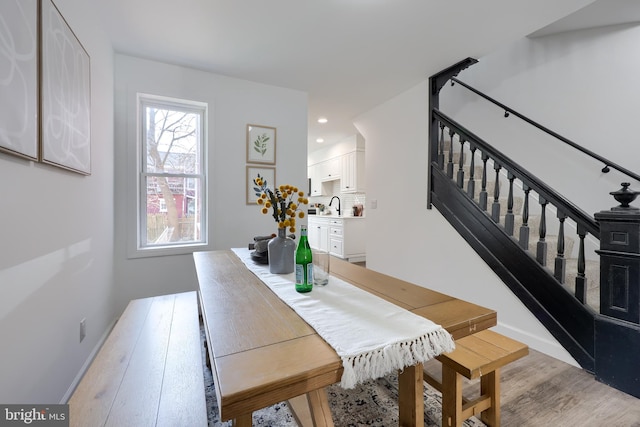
<point x="171" y="176"/>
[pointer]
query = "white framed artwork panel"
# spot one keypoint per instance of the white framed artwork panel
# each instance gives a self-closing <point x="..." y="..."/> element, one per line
<point x="66" y="95"/>
<point x="19" y="78"/>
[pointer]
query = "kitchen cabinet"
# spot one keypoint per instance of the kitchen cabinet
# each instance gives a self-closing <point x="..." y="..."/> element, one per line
<point x="343" y="237"/>
<point x="323" y="173"/>
<point x="343" y="162"/>
<point x="317" y="188"/>
<point x="352" y="177"/>
<point x="318" y="232"/>
<point x="336" y="238"/>
<point x="331" y="169"/>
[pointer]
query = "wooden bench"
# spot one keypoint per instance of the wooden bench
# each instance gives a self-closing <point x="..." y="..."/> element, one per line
<point x="480" y="355"/>
<point x="149" y="370"/>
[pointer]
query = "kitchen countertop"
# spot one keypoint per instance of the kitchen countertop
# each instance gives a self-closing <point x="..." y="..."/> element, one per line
<point x="336" y="216"/>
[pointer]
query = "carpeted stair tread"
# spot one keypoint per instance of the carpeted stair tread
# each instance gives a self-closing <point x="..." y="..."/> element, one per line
<point x="592" y="268"/>
<point x="591" y="272"/>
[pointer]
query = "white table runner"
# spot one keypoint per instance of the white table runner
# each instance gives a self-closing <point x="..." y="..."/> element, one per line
<point x="373" y="337"/>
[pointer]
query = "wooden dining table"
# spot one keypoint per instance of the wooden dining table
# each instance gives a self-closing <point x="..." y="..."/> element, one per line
<point x="262" y="353"/>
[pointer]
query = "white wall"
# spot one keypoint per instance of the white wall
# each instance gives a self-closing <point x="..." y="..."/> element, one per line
<point x="56" y="251"/>
<point x="407" y="241"/>
<point x="233" y="103"/>
<point x="581" y="84"/>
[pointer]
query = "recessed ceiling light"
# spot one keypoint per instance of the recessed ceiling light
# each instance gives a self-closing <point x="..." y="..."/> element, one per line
<point x="320" y="140"/>
<point x="322" y="120"/>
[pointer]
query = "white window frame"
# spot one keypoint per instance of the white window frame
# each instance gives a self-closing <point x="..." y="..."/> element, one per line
<point x="137" y="247"/>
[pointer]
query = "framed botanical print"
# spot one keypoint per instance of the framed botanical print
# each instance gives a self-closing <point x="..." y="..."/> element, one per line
<point x="266" y="172"/>
<point x="261" y="144"/>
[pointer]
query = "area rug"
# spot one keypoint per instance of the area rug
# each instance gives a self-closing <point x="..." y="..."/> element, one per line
<point x="374" y="403"/>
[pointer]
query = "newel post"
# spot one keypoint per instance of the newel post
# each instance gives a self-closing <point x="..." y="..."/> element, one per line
<point x="436" y="82"/>
<point x="620" y="258"/>
<point x="617" y="328"/>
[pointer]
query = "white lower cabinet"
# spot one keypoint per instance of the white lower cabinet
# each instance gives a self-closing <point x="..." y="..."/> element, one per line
<point x="341" y="237"/>
<point x="318" y="233"/>
<point x="336" y="247"/>
<point x="336" y="239"/>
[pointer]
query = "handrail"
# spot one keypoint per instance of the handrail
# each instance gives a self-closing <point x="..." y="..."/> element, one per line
<point x="608" y="163"/>
<point x="556" y="199"/>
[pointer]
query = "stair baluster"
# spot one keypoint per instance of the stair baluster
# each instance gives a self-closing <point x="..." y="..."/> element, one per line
<point x="560" y="268"/>
<point x="441" y="148"/>
<point x="471" y="185"/>
<point x="460" y="176"/>
<point x="581" y="279"/>
<point x="524" y="228"/>
<point x="541" y="249"/>
<point x="450" y="163"/>
<point x="495" y="207"/>
<point x="509" y="217"/>
<point x="483" y="191"/>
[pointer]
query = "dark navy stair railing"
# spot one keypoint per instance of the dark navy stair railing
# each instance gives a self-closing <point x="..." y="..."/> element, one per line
<point x="563" y="308"/>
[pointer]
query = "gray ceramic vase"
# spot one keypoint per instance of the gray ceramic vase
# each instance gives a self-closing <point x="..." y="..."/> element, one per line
<point x="281" y="253"/>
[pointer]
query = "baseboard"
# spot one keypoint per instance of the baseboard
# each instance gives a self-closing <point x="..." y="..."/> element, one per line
<point x="550" y="348"/>
<point x="87" y="363"/>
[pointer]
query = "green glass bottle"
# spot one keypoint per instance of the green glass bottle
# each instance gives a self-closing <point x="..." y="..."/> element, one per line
<point x="304" y="264"/>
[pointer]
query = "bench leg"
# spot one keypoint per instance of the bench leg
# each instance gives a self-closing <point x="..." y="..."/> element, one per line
<point x="245" y="420"/>
<point x="451" y="398"/>
<point x="490" y="385"/>
<point x="411" y="396"/>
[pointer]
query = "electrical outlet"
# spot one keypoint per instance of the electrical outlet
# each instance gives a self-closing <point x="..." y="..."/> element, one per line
<point x="83" y="329"/>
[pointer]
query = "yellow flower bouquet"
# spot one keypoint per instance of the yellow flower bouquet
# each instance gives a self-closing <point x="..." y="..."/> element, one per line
<point x="284" y="201"/>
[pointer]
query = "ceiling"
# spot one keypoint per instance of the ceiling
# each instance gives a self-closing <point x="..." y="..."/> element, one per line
<point x="348" y="55"/>
<point x="597" y="14"/>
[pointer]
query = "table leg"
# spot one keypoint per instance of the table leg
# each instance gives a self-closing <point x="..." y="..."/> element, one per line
<point x="411" y="397"/>
<point x="320" y="410"/>
<point x="451" y="397"/>
<point x="312" y="409"/>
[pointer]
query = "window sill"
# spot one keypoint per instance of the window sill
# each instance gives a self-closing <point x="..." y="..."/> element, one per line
<point x="158" y="251"/>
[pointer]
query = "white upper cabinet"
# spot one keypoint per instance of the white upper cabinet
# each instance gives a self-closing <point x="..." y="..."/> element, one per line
<point x="331" y="169"/>
<point x="343" y="161"/>
<point x="317" y="188"/>
<point x="352" y="179"/>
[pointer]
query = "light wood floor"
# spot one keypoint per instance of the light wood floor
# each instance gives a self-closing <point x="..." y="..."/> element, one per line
<point x="540" y="391"/>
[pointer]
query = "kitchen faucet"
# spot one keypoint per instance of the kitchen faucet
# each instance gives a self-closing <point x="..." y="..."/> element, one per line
<point x="331" y="201"/>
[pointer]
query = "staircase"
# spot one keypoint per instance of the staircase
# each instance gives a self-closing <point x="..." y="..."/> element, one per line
<point x="545" y="248"/>
<point x="592" y="264"/>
